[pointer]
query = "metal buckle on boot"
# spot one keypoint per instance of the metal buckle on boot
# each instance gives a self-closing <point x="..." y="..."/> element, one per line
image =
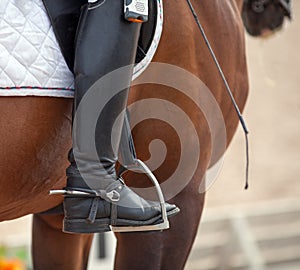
<point x="114" y="196"/>
<point x="136" y="10"/>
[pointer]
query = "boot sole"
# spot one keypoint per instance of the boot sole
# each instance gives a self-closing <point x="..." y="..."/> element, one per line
<point x="82" y="226"/>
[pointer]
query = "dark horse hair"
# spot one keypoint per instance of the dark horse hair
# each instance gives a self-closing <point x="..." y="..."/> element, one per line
<point x="260" y="16"/>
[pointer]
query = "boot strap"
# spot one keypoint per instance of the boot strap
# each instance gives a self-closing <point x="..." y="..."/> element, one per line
<point x="93" y="211"/>
<point x="110" y="194"/>
<point x="113" y="214"/>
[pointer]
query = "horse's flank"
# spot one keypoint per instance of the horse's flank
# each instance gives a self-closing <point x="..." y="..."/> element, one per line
<point x="34" y="144"/>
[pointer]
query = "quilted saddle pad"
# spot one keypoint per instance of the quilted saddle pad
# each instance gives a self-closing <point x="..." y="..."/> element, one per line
<point x="31" y="62"/>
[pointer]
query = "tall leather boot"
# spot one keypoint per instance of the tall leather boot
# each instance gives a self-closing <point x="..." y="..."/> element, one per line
<point x="97" y="198"/>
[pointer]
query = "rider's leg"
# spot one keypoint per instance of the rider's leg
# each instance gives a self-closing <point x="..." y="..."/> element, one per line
<point x="105" y="42"/>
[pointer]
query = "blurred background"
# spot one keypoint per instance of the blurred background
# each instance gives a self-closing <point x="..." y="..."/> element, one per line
<point x="255" y="229"/>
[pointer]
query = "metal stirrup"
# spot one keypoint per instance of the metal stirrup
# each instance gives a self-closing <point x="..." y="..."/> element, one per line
<point x="130" y="162"/>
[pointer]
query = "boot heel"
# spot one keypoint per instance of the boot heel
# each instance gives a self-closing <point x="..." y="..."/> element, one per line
<point x="83" y="226"/>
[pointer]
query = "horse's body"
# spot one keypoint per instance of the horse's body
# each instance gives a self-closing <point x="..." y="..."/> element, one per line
<point x="36" y="135"/>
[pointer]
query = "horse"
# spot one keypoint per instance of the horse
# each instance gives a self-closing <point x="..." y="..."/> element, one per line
<point x="36" y="136"/>
<point x="263" y="17"/>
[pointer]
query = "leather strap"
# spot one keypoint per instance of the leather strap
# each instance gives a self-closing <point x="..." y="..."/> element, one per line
<point x="93" y="211"/>
<point x="113" y="214"/>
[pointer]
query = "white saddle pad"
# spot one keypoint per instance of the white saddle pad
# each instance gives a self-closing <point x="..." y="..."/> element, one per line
<point x="31" y="62"/>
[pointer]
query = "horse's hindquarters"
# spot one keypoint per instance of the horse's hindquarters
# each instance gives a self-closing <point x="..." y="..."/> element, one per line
<point x="35" y="138"/>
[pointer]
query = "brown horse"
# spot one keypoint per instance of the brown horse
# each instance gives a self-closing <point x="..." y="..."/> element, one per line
<point x="36" y="135"/>
<point x="262" y="17"/>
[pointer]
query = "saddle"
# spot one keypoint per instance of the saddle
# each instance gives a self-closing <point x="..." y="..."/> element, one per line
<point x="65" y="14"/>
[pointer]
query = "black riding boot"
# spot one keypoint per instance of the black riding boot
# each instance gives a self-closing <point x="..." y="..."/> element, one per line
<point x="105" y="42"/>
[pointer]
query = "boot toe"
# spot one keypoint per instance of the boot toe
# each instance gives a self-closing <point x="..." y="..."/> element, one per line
<point x="138" y="208"/>
<point x="172" y="209"/>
